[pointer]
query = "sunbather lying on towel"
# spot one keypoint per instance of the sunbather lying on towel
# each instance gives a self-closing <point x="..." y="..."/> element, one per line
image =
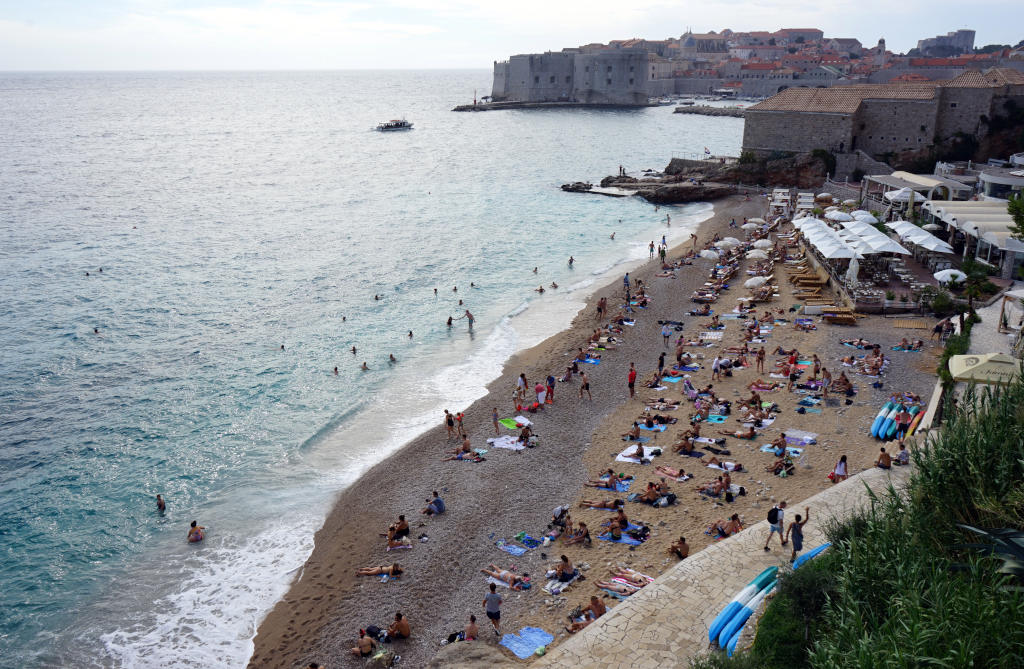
<point x="493" y="570"/>
<point x="722" y="528"/>
<point x="602" y="504"/>
<point x="703" y="311"/>
<point x="620" y="588"/>
<point x="670" y="472"/>
<point x="633" y="578"/>
<point x="763" y="386"/>
<point x="728" y="466"/>
<point x="858" y="342"/>
<point x="748" y="433"/>
<point x="394" y="571"/>
<point x="604" y="484"/>
<point x="781" y="351"/>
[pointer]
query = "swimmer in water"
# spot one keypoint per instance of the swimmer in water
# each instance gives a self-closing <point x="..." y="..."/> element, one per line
<point x="335" y="371"/>
<point x="161" y="506"/>
<point x="449" y="321"/>
<point x="353" y="350"/>
<point x="364" y="367"/>
<point x="472" y="285"/>
<point x="282" y="347"/>
<point x="539" y="289"/>
<point x="95" y="330"/>
<point x="612" y="236"/>
<point x="391" y="358"/>
<point x="435" y="291"/>
<point x="554" y="285"/>
<point x="376" y="297"/>
<point x="87" y="274"/>
<point x="410" y="334"/>
<point x="460" y="303"/>
<point x="195" y="533"/>
<point x="455" y="289"/>
<point x="343" y="319"/>
<point x="571" y="261"/>
<point x="534" y="270"/>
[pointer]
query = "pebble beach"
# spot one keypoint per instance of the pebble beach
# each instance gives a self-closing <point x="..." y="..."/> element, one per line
<point x="514" y="491"/>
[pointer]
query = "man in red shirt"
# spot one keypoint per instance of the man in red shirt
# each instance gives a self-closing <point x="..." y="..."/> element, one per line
<point x="632" y="379"/>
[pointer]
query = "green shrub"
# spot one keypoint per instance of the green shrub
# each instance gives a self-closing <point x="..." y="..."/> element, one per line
<point x="942" y="304"/>
<point x="747" y="158"/>
<point x="889" y="295"/>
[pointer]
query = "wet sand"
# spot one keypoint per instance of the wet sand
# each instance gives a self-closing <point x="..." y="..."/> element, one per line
<point x="514" y="491"/>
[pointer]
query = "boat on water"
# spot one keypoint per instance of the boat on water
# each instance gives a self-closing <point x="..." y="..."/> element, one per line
<point x="687" y="103"/>
<point x="394" y="124"/>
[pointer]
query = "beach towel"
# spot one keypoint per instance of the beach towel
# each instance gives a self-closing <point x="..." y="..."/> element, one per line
<point x="806" y="410"/>
<point x="503" y="584"/>
<point x="620" y="485"/>
<point x="526" y="540"/>
<point x="506" y="441"/>
<point x="638" y="440"/>
<point x="765" y="422"/>
<point x="715" y="418"/>
<point x="773" y="375"/>
<point x="555" y="587"/>
<point x="648" y="454"/>
<point x="809" y="401"/>
<point x="688" y="368"/>
<point x="395" y="548"/>
<point x="656" y="428"/>
<point x="711" y="335"/>
<point x="526" y="643"/>
<point x="629" y="323"/>
<point x="791" y="450"/>
<point x="511" y="549"/>
<point x="616" y="595"/>
<point x="625" y="539"/>
<point x="709" y="440"/>
<point x="801" y="438"/>
<point x="592" y="361"/>
<point x="723" y="469"/>
<point x="671" y="379"/>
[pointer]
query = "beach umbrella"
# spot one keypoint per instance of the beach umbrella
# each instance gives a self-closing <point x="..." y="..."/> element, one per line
<point x="857" y="213"/>
<point x="838" y="216"/>
<point x="757" y="254"/>
<point x="755" y="282"/>
<point x="756" y="220"/>
<point x="832" y="208"/>
<point x="866" y="218"/>
<point x="949" y="275"/>
<point x="732" y="240"/>
<point x="851" y="273"/>
<point x="709" y="254"/>
<point x="850" y="203"/>
<point x="901" y="195"/>
<point x="750" y="226"/>
<point x="994" y="368"/>
<point x="931" y="226"/>
<point x="724" y="244"/>
<point x="763" y="244"/>
<point x="823" y="196"/>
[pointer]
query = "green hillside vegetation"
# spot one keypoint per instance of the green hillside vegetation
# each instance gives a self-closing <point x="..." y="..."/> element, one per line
<point x="907" y="583"/>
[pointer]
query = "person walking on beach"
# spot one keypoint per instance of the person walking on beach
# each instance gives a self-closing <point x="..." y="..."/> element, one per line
<point x="796" y="533"/>
<point x="760" y="360"/>
<point x="449" y="423"/>
<point x="602" y="304"/>
<point x="716" y="369"/>
<point x="839" y="472"/>
<point x="585" y="385"/>
<point x="631" y="379"/>
<point x="625" y="281"/>
<point x="775" y="517"/>
<point x="661" y="363"/>
<point x="494" y="419"/>
<point x="651" y="248"/>
<point x="666" y="332"/>
<point x="551" y="388"/>
<point x="492" y="606"/>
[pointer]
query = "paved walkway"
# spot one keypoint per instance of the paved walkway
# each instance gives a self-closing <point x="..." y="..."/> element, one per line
<point x="985" y="336"/>
<point x="667" y="622"/>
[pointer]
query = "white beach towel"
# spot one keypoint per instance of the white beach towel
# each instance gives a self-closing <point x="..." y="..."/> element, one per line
<point x="765" y="422"/>
<point x="506" y="441"/>
<point x="729" y="467"/>
<point x="498" y="582"/>
<point x="523" y="421"/>
<point x="648" y="454"/>
<point x="711" y="335"/>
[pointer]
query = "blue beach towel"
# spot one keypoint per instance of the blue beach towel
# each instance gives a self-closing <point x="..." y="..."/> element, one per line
<point x="511" y="549"/>
<point x="715" y="418"/>
<point x="638" y="440"/>
<point x="688" y="368"/>
<point x="626" y="539"/>
<point x="526" y="643"/>
<point x="529" y="541"/>
<point x="592" y="361"/>
<point x="671" y="379"/>
<point x="656" y="428"/>
<point x="616" y="595"/>
<point x="620" y="485"/>
<point x="792" y="450"/>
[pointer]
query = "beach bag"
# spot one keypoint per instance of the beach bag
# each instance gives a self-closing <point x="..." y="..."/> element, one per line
<point x="728" y="497"/>
<point x="382" y="660"/>
<point x="773" y="515"/>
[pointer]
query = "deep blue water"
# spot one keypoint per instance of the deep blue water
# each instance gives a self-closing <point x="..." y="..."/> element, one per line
<point x="233" y="213"/>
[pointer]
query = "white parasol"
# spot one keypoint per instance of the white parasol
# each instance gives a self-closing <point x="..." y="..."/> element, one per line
<point x="709" y="254"/>
<point x="755" y="282"/>
<point x="763" y="244"/>
<point x="838" y="216"/>
<point x="757" y="254"/>
<point x="949" y="276"/>
<point x="750" y="226"/>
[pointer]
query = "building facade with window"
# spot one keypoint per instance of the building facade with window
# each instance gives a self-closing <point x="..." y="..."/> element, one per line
<point x="606" y="77"/>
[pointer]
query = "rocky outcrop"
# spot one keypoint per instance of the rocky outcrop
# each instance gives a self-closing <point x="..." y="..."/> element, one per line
<point x="577" y="187"/>
<point x="802" y="170"/>
<point x="679" y="193"/>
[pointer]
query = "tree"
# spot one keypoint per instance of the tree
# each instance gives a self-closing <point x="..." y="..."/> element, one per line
<point x="976" y="276"/>
<point x="1015" y="207"/>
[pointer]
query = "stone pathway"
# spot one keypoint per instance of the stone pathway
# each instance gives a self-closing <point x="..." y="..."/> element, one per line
<point x="985" y="336"/>
<point x="667" y="622"/>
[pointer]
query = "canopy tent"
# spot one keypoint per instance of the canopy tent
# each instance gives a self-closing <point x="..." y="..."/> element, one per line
<point x="724" y="244"/>
<point x="931" y="227"/>
<point x="921" y="237"/>
<point x="875" y="240"/>
<point x="991" y="368"/>
<point x="857" y="213"/>
<point x="732" y="240"/>
<point x="1003" y="239"/>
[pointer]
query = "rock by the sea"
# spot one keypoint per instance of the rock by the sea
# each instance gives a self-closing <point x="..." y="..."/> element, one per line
<point x="685" y="192"/>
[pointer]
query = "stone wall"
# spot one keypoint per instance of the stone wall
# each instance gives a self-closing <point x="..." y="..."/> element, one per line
<point x="611" y="77"/>
<point x="765" y="132"/>
<point x="890" y="126"/>
<point x="499" y="89"/>
<point x="961" y="109"/>
<point x="544" y="77"/>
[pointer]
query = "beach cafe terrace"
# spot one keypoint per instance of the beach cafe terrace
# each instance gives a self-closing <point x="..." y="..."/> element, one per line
<point x="979" y="230"/>
<point x="876" y="189"/>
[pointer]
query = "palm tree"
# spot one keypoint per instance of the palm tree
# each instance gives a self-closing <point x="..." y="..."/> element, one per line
<point x="976" y="278"/>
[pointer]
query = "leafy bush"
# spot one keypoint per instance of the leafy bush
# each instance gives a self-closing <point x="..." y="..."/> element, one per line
<point x="747" y="158"/>
<point x="942" y="304"/>
<point x="827" y="158"/>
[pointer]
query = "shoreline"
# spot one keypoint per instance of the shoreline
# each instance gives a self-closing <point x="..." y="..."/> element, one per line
<point x="302" y="626"/>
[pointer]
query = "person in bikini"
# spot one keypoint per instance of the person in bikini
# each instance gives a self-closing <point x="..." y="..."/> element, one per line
<point x="504" y="575"/>
<point x="394" y="571"/>
<point x="748" y="433"/>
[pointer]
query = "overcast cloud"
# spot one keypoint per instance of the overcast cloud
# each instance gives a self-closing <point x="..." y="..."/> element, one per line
<point x="338" y="34"/>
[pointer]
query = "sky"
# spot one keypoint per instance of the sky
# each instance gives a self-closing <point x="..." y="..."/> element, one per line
<point x="415" y="34"/>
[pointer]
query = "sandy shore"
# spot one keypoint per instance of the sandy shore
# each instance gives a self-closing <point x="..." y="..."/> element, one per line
<point x="515" y="491"/>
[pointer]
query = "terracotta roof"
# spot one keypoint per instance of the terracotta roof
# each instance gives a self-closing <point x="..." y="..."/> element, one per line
<point x="842" y="99"/>
<point x="997" y="76"/>
<point x="758" y="66"/>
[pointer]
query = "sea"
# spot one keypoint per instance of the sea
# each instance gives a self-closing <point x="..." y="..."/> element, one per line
<point x="185" y="260"/>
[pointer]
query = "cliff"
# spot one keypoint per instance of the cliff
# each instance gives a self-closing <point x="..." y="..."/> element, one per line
<point x="669" y="190"/>
<point x="803" y="170"/>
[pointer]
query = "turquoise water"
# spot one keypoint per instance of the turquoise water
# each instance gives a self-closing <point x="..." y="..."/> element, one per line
<point x="232" y="214"/>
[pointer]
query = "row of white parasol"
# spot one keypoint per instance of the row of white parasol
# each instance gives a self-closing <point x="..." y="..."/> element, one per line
<point x="926" y="240"/>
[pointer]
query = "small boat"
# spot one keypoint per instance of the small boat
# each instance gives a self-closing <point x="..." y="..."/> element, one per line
<point x="394" y="124"/>
<point x="687" y="103"/>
